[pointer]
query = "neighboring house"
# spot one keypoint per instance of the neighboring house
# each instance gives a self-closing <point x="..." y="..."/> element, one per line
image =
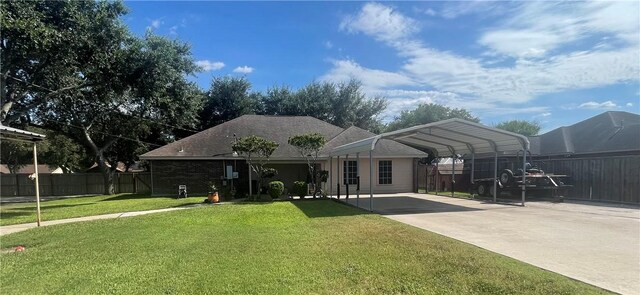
<point x="600" y="154"/>
<point x="29" y="169"/>
<point x="207" y="156"/>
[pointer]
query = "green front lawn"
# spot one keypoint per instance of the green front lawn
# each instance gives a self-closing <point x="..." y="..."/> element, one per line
<point x="86" y="206"/>
<point x="299" y="247"/>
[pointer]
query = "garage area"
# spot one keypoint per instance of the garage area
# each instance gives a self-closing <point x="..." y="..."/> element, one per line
<point x="596" y="244"/>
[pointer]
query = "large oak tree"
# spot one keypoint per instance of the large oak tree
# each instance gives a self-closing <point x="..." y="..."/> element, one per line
<point x="73" y="66"/>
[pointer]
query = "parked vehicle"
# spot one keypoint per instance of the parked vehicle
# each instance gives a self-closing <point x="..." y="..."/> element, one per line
<point x="538" y="183"/>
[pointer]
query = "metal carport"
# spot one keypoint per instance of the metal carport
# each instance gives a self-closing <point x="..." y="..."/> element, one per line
<point x="10" y="133"/>
<point x="446" y="138"/>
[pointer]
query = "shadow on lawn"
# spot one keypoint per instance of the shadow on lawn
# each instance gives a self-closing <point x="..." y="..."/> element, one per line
<point x="408" y="205"/>
<point x="22" y="211"/>
<point x="134" y="196"/>
<point x="13" y="214"/>
<point x="326" y="208"/>
<point x="65" y="206"/>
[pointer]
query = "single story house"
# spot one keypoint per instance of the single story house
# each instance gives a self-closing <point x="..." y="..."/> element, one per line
<point x="207" y="156"/>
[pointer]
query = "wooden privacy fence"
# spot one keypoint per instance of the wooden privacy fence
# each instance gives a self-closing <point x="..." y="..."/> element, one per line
<point x="72" y="184"/>
<point x="611" y="179"/>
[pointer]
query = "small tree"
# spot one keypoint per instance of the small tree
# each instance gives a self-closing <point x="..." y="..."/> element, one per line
<point x="309" y="145"/>
<point x="257" y="151"/>
<point x="524" y="127"/>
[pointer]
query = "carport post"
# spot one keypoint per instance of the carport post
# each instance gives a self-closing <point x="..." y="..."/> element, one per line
<point x="473" y="166"/>
<point x="338" y="177"/>
<point x="346" y="178"/>
<point x="358" y="179"/>
<point x="371" y="180"/>
<point x="251" y="184"/>
<point x="35" y="167"/>
<point x="495" y="176"/>
<point x="524" y="175"/>
<point x="453" y="174"/>
<point x="437" y="174"/>
<point x="330" y="177"/>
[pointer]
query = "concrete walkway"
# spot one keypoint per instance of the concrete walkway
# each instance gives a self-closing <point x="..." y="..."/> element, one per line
<point x="9" y="229"/>
<point x="596" y="244"/>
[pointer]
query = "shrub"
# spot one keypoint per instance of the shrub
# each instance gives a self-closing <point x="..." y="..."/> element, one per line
<point x="275" y="189"/>
<point x="299" y="189"/>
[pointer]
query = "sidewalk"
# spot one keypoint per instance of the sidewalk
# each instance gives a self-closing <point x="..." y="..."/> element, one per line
<point x="9" y="229"/>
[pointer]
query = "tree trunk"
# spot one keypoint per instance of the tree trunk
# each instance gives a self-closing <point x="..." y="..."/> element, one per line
<point x="107" y="173"/>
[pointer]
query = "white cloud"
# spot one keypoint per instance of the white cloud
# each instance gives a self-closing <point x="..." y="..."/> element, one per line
<point x="629" y="104"/>
<point x="598" y="105"/>
<point x="155" y="23"/>
<point x="372" y="80"/>
<point x="538" y="27"/>
<point x="473" y="80"/>
<point x="380" y="21"/>
<point x="328" y="44"/>
<point x="243" y="70"/>
<point x="545" y="114"/>
<point x="208" y="65"/>
<point x="430" y="12"/>
<point x="488" y="9"/>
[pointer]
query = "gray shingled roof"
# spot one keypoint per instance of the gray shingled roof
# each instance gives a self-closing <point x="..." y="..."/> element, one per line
<point x="216" y="141"/>
<point x="385" y="147"/>
<point x="608" y="132"/>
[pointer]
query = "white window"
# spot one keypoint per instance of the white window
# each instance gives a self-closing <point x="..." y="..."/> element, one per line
<point x="350" y="172"/>
<point x="384" y="172"/>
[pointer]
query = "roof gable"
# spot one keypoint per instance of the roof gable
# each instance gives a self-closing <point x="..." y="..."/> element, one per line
<point x="217" y="141"/>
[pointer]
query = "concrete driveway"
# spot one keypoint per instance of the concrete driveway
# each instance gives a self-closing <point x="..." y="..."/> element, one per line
<point x="599" y="245"/>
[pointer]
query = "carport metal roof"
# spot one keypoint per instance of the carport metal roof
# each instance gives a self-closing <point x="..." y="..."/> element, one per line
<point x="445" y="138"/>
<point x="11" y="133"/>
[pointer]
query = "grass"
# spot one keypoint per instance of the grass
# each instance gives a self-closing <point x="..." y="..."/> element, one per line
<point x="298" y="247"/>
<point x="87" y="206"/>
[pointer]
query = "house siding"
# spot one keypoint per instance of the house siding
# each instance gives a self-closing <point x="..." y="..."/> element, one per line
<point x="402" y="176"/>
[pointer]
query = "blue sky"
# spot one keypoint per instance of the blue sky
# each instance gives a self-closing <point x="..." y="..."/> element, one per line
<point x="554" y="62"/>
